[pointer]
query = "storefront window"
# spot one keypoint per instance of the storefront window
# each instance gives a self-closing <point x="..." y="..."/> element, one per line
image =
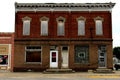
<point x="81" y="54"/>
<point x="3" y="59"/>
<point x="33" y="54"/>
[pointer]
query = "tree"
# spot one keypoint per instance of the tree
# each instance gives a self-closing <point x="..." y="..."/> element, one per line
<point x="116" y="52"/>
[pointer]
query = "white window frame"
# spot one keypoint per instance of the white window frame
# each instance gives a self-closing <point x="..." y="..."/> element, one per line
<point x="26" y="25"/>
<point x="81" y="26"/>
<point x="99" y="26"/>
<point x="60" y="26"/>
<point x="44" y="26"/>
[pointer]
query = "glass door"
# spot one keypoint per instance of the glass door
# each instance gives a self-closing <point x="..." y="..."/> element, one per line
<point x="102" y="56"/>
<point x="53" y="59"/>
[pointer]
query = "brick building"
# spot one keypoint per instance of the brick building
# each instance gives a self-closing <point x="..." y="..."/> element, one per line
<point x="76" y="36"/>
<point x="6" y="51"/>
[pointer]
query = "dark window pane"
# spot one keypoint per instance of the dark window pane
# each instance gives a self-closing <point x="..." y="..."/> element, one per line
<point x="53" y="59"/>
<point x="3" y="59"/>
<point x="33" y="56"/>
<point x="65" y="48"/>
<point x="53" y="56"/>
<point x="81" y="54"/>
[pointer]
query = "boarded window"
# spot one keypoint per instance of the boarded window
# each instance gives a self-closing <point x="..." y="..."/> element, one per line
<point x="99" y="27"/>
<point x="81" y="27"/>
<point x="26" y="27"/>
<point x="60" y="28"/>
<point x="44" y="27"/>
<point x="81" y="54"/>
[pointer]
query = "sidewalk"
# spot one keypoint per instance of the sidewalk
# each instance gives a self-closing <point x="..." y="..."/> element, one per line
<point x="59" y="75"/>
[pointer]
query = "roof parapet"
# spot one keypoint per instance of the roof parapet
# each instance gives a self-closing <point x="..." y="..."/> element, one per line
<point x="30" y="6"/>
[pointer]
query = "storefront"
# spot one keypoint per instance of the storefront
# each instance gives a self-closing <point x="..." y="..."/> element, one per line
<point x="6" y="51"/>
<point x="69" y="36"/>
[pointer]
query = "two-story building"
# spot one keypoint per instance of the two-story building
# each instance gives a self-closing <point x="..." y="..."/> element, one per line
<point x="75" y="36"/>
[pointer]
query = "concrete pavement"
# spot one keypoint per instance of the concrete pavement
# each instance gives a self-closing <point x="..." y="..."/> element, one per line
<point x="58" y="76"/>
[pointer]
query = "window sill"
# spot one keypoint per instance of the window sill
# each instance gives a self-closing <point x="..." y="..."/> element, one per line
<point x="44" y="35"/>
<point x="99" y="34"/>
<point x="26" y="35"/>
<point x="81" y="35"/>
<point x="3" y="65"/>
<point x="60" y="35"/>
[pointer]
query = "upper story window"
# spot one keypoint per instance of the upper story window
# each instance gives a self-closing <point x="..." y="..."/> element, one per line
<point x="81" y="26"/>
<point x="60" y="26"/>
<point x="44" y="26"/>
<point x="26" y="25"/>
<point x="99" y="25"/>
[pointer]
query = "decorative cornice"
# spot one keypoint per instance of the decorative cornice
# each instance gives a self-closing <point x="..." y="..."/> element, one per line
<point x="26" y="18"/>
<point x="98" y="18"/>
<point x="60" y="18"/>
<point x="63" y="6"/>
<point x="44" y="18"/>
<point x="81" y="18"/>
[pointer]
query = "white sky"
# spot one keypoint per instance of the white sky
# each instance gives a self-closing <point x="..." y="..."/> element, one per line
<point x="7" y="14"/>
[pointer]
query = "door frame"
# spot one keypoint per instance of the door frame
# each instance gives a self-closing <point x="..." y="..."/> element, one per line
<point x="67" y="56"/>
<point x="53" y="64"/>
<point x="105" y="59"/>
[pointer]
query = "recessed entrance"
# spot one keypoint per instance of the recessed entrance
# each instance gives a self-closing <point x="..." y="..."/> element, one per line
<point x="65" y="57"/>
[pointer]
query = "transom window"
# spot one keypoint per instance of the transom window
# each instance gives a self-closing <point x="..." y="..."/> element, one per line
<point x="81" y="26"/>
<point x="44" y="26"/>
<point x="26" y="25"/>
<point x="61" y="27"/>
<point x="33" y="54"/>
<point x="99" y="25"/>
<point x="81" y="54"/>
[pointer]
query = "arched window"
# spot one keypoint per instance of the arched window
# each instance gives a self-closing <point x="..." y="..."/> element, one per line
<point x="60" y="26"/>
<point x="81" y="26"/>
<point x="44" y="26"/>
<point x="99" y="25"/>
<point x="26" y="25"/>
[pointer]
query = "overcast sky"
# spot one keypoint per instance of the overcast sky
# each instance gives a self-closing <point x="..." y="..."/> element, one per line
<point x="7" y="14"/>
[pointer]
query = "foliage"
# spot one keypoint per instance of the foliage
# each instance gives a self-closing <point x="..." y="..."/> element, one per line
<point x="116" y="52"/>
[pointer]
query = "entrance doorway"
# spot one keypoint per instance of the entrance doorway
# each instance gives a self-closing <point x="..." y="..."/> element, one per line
<point x="65" y="57"/>
<point x="102" y="56"/>
<point x="53" y="59"/>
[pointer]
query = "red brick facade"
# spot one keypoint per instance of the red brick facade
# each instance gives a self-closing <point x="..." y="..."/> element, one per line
<point x="82" y="51"/>
<point x="70" y="24"/>
<point x="8" y="40"/>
